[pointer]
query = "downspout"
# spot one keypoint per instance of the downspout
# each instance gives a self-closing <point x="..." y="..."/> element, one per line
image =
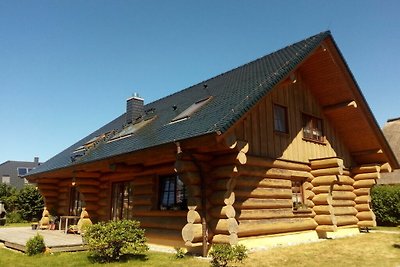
<point x="179" y="152"/>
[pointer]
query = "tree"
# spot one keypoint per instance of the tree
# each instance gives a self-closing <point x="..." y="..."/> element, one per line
<point x="29" y="203"/>
<point x="8" y="195"/>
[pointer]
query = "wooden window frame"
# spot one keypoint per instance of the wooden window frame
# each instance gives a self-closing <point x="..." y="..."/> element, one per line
<point x="175" y="206"/>
<point x="75" y="197"/>
<point x="314" y="120"/>
<point x="297" y="197"/>
<point x="286" y="122"/>
<point x="118" y="215"/>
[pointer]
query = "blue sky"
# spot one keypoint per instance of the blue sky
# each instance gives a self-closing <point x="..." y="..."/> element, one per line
<point x="67" y="67"/>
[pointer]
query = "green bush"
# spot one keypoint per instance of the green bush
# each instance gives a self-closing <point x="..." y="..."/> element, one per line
<point x="14" y="217"/>
<point x="180" y="253"/>
<point x="35" y="245"/>
<point x="109" y="241"/>
<point x="386" y="204"/>
<point x="223" y="254"/>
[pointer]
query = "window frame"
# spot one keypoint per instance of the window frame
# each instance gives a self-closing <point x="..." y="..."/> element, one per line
<point x="298" y="199"/>
<point x="306" y="118"/>
<point x="75" y="202"/>
<point x="118" y="210"/>
<point x="22" y="168"/>
<point x="275" y="118"/>
<point x="175" y="206"/>
<point x="188" y="112"/>
<point x="6" y="179"/>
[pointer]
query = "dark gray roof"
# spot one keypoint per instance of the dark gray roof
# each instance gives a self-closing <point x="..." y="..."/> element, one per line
<point x="233" y="93"/>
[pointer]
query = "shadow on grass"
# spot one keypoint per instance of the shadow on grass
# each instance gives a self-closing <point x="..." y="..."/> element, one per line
<point x="123" y="258"/>
<point x="396" y="245"/>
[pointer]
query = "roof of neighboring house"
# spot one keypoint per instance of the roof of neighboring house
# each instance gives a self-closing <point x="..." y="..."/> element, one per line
<point x="232" y="93"/>
<point x="391" y="130"/>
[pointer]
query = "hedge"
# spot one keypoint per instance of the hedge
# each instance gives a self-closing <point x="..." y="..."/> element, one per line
<point x="386" y="204"/>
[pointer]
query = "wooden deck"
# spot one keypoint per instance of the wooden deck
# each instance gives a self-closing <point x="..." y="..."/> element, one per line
<point x="57" y="241"/>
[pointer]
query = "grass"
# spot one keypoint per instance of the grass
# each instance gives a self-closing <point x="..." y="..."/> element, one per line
<point x="372" y="249"/>
<point x="387" y="228"/>
<point x="75" y="259"/>
<point x="24" y="224"/>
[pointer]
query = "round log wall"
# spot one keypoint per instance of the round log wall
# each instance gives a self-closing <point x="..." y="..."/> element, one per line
<point x="364" y="178"/>
<point x="334" y="196"/>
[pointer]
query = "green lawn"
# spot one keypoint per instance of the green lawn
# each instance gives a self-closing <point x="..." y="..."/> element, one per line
<point x="372" y="249"/>
<point x="25" y="224"/>
<point x="386" y="228"/>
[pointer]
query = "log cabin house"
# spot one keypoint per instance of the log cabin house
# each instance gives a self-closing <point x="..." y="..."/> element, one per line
<point x="283" y="148"/>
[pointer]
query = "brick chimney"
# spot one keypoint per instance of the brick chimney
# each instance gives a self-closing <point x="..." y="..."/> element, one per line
<point x="134" y="109"/>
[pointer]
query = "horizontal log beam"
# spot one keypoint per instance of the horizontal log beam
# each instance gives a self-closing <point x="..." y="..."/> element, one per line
<point x="259" y="214"/>
<point x="326" y="163"/>
<point x="257" y="203"/>
<point x="251" y="181"/>
<point x="276" y="163"/>
<point x="264" y="227"/>
<point x="346" y="220"/>
<point x="264" y="193"/>
<point x="328" y="171"/>
<point x="366" y="169"/>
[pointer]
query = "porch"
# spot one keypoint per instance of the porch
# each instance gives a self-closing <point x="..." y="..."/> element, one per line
<point x="55" y="240"/>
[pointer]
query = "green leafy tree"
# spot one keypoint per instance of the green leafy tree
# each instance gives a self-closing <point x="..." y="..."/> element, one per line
<point x="29" y="203"/>
<point x="8" y="195"/>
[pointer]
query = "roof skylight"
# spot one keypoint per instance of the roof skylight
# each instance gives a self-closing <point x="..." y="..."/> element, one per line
<point x="192" y="109"/>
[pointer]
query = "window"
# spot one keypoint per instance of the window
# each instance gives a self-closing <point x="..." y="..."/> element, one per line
<point x="173" y="193"/>
<point x="312" y="128"/>
<point x="297" y="194"/>
<point x="75" y="202"/>
<point x="190" y="110"/>
<point x="5" y="179"/>
<point x="22" y="171"/>
<point x="280" y="119"/>
<point x="122" y="201"/>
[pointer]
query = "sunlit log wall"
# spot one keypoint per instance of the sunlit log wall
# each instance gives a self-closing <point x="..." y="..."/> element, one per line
<point x="364" y="178"/>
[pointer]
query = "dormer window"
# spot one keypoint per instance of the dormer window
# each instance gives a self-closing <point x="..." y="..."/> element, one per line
<point x="190" y="110"/>
<point x="313" y="128"/>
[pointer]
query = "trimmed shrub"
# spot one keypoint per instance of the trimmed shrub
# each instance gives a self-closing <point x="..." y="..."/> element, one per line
<point x="223" y="254"/>
<point x="110" y="241"/>
<point x="35" y="245"/>
<point x="386" y="204"/>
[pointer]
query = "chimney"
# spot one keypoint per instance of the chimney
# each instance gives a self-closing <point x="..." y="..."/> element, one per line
<point x="134" y="109"/>
<point x="36" y="160"/>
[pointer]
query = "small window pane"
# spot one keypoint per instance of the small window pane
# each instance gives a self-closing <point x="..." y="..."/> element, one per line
<point x="297" y="194"/>
<point x="22" y="171"/>
<point x="5" y="179"/>
<point x="313" y="128"/>
<point x="191" y="109"/>
<point x="280" y="119"/>
<point x="173" y="193"/>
